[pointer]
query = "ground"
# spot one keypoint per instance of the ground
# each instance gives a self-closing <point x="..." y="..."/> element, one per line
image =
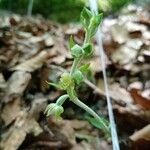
<point x="34" y="50"/>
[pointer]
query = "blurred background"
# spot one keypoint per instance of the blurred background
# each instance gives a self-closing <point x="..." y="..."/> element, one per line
<point x="58" y="10"/>
<point x="34" y="37"/>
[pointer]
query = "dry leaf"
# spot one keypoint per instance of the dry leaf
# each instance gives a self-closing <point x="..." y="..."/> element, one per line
<point x="144" y="133"/>
<point x="120" y="94"/>
<point x="49" y="42"/>
<point x="14" y="137"/>
<point x="33" y="63"/>
<point x="121" y="55"/>
<point x="139" y="99"/>
<point x="69" y="128"/>
<point x="83" y="146"/>
<point x="11" y="111"/>
<point x="117" y="93"/>
<point x="2" y="82"/>
<point x="16" y="85"/>
<point x="119" y="33"/>
<point x="18" y="82"/>
<point x="59" y="59"/>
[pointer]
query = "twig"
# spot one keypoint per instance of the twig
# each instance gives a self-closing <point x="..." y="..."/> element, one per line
<point x="95" y="88"/>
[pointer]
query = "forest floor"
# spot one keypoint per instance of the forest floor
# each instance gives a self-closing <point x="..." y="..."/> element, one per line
<point x="35" y="50"/>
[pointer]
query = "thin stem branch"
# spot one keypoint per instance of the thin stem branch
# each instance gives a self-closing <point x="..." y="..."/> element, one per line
<point x="90" y="111"/>
<point x="74" y="66"/>
<point x="77" y="60"/>
<point x="86" y="37"/>
<point x="62" y="99"/>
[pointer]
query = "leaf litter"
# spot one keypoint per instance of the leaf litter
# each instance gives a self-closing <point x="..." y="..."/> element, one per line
<point x="35" y="50"/>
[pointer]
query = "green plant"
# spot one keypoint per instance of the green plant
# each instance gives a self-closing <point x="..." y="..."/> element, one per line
<point x="69" y="81"/>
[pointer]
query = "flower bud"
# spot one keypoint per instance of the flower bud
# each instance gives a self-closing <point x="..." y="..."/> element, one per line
<point x="66" y="81"/>
<point x="77" y="51"/>
<point x="54" y="109"/>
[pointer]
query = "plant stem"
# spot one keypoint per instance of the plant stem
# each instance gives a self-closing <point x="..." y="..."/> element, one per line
<point x="90" y="111"/>
<point x="74" y="66"/>
<point x="76" y="100"/>
<point x="62" y="99"/>
<point x="77" y="60"/>
<point x="87" y="38"/>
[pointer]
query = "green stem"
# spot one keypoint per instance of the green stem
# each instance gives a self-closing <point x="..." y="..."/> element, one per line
<point x="77" y="60"/>
<point x="90" y="111"/>
<point x="87" y="38"/>
<point x="62" y="99"/>
<point x="76" y="100"/>
<point x="74" y="66"/>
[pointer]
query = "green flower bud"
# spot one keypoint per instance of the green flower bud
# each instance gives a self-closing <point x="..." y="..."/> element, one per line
<point x="78" y="76"/>
<point x="66" y="81"/>
<point x="54" y="109"/>
<point x="85" y="68"/>
<point x="77" y="51"/>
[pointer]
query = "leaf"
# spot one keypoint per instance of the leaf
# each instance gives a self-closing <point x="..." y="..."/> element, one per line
<point x="121" y="54"/>
<point x="139" y="99"/>
<point x="85" y="17"/>
<point x="97" y="123"/>
<point x="119" y="33"/>
<point x="90" y="21"/>
<point x="84" y="68"/>
<point x="78" y="76"/>
<point x="17" y="84"/>
<point x="14" y="136"/>
<point x="143" y="133"/>
<point x="87" y="49"/>
<point x="76" y="51"/>
<point x="54" y="84"/>
<point x="71" y="42"/>
<point x="94" y="24"/>
<point x="11" y="111"/>
<point x="32" y="64"/>
<point x="100" y="124"/>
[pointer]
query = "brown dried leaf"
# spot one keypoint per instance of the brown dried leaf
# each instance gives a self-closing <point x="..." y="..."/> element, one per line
<point x="119" y="33"/>
<point x="139" y="99"/>
<point x="11" y="111"/>
<point x="144" y="133"/>
<point x="59" y="59"/>
<point x="70" y="128"/>
<point x="117" y="93"/>
<point x="33" y="63"/>
<point x="134" y="27"/>
<point x="49" y="42"/>
<point x="14" y="137"/>
<point x="120" y="94"/>
<point x="18" y="82"/>
<point x="83" y="146"/>
<point x="121" y="55"/>
<point x="16" y="85"/>
<point x="2" y="82"/>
